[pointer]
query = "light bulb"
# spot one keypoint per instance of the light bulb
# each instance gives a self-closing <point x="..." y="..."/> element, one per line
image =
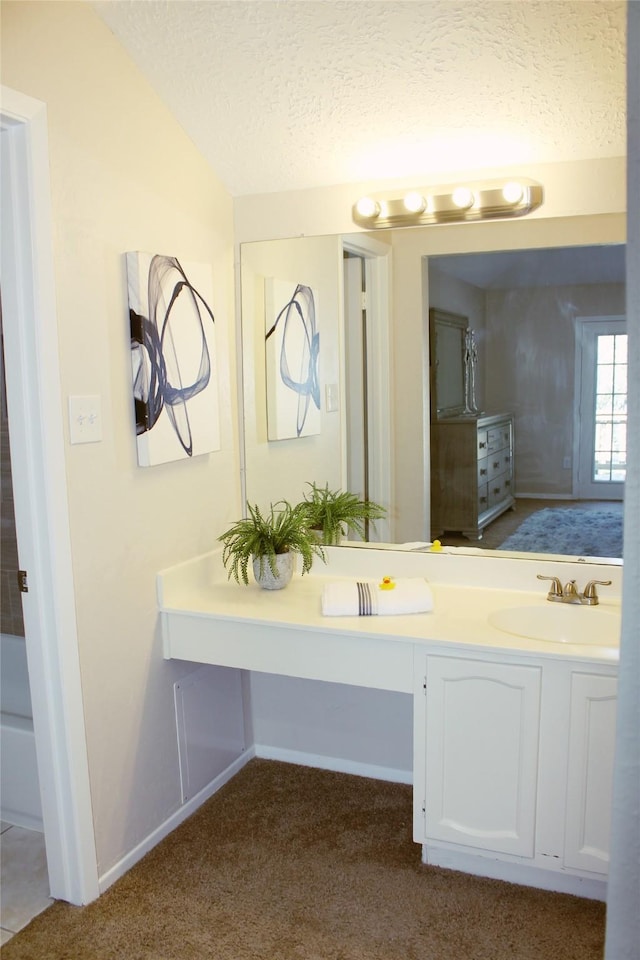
<point x="512" y="192"/>
<point x="368" y="207"/>
<point x="414" y="202"/>
<point x="462" y="197"/>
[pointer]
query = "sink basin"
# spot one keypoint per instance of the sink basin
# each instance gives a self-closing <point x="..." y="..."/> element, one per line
<point x="560" y="623"/>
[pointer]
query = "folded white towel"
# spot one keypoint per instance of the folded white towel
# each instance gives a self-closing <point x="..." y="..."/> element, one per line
<point x="366" y="598"/>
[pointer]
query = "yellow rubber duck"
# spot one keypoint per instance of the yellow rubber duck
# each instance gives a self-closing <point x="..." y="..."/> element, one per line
<point x="436" y="546"/>
<point x="387" y="583"/>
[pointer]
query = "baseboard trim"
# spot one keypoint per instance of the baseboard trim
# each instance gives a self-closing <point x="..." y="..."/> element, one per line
<point x="266" y="752"/>
<point x="336" y="764"/>
<point x="130" y="859"/>
<point x="17" y="818"/>
<point x="545" y="496"/>
<point x="523" y="874"/>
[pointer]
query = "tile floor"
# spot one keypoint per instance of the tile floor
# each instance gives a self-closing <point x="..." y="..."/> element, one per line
<point x="24" y="885"/>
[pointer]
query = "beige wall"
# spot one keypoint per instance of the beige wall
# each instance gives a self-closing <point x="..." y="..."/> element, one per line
<point x="124" y="177"/>
<point x="530" y="371"/>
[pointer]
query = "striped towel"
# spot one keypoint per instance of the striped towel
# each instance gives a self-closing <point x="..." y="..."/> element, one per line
<point x="365" y="598"/>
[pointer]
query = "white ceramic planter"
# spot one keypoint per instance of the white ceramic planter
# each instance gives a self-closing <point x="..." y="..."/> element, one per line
<point x="265" y="577"/>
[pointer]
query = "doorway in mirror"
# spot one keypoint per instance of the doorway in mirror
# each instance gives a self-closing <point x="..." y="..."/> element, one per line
<point x="367" y="384"/>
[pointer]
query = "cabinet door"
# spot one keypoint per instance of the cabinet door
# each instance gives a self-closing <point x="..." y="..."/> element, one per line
<point x="590" y="774"/>
<point x="481" y="754"/>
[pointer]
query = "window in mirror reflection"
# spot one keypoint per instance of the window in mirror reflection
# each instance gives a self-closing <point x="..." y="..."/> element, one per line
<point x="610" y="453"/>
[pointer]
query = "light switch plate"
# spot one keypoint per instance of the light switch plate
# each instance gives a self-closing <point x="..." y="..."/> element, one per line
<point x="331" y="397"/>
<point x="85" y="419"/>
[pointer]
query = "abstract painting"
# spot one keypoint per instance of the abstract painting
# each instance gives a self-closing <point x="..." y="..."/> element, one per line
<point x="173" y="358"/>
<point x="292" y="353"/>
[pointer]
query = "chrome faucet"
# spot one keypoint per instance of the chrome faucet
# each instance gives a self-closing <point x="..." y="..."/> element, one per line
<point x="570" y="593"/>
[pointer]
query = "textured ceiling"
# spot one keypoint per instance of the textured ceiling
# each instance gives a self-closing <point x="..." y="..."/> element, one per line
<point x="290" y="94"/>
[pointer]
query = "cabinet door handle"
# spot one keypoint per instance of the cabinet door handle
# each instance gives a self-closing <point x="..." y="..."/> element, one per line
<point x="482" y="444"/>
<point x="483" y="470"/>
<point x="496" y="464"/>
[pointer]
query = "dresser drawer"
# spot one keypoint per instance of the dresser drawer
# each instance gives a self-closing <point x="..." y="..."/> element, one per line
<point x="483" y="498"/>
<point x="498" y="463"/>
<point x="498" y="489"/>
<point x="483" y="470"/>
<point x="498" y="437"/>
<point x="482" y="443"/>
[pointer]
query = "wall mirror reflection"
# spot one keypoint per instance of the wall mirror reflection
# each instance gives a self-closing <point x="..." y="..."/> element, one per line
<point x="448" y="363"/>
<point x="549" y="334"/>
<point x="551" y="338"/>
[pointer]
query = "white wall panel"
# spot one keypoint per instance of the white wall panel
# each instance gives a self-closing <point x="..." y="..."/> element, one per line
<point x="342" y="727"/>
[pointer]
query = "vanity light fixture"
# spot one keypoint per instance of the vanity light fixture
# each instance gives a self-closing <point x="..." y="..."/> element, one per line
<point x="492" y="199"/>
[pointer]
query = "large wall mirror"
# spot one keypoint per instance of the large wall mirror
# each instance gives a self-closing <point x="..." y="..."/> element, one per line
<point x="532" y="310"/>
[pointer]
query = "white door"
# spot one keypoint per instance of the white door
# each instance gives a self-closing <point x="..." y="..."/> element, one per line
<point x="601" y="408"/>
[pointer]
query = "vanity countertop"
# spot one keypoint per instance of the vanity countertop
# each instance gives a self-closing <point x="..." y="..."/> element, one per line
<point x="466" y="588"/>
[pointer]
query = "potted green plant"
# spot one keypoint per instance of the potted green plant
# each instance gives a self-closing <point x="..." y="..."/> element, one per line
<point x="334" y="513"/>
<point x="270" y="541"/>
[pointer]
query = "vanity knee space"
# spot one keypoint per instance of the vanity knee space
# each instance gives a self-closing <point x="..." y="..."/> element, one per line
<point x="513" y="761"/>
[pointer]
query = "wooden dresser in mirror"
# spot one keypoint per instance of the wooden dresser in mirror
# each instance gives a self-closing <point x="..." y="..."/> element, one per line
<point x="471" y="472"/>
<point x="471" y="453"/>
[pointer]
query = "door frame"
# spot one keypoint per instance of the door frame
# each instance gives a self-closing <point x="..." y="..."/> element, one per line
<point x="582" y="488"/>
<point x="376" y="256"/>
<point x="356" y="382"/>
<point x="40" y="498"/>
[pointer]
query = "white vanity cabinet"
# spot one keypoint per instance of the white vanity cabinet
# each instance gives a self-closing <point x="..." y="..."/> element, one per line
<point x="480" y="740"/>
<point x="513" y="765"/>
<point x="592" y="728"/>
<point x="513" y="738"/>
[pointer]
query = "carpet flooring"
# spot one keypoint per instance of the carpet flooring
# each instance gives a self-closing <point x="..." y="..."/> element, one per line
<point x="580" y="533"/>
<point x="292" y="863"/>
